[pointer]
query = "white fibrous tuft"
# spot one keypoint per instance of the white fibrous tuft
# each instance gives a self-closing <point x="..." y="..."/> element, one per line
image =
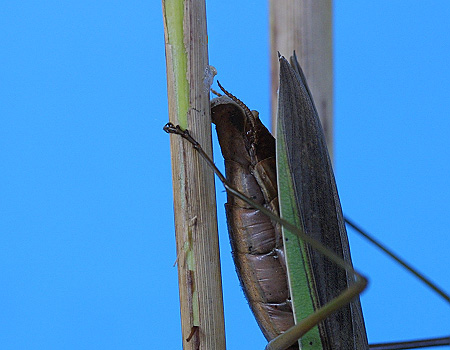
<point x="208" y="79"/>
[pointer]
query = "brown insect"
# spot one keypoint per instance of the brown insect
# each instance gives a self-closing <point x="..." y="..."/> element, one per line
<point x="257" y="243"/>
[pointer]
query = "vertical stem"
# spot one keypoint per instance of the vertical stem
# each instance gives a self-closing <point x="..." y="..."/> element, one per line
<point x="188" y="76"/>
<point x="306" y="27"/>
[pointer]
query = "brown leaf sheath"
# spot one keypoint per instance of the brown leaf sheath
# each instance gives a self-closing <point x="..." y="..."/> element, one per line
<point x="249" y="152"/>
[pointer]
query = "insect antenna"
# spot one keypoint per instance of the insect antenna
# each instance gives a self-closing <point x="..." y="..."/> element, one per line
<point x="415" y="344"/>
<point x="218" y="94"/>
<point x="399" y="260"/>
<point x="247" y="111"/>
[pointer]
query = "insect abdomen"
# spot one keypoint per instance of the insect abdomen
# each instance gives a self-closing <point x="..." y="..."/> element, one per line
<point x="249" y="152"/>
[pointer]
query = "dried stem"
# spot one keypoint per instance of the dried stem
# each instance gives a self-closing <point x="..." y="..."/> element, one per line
<point x="306" y="27"/>
<point x="188" y="77"/>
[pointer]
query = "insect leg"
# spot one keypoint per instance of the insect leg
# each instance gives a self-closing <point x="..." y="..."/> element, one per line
<point x="293" y="334"/>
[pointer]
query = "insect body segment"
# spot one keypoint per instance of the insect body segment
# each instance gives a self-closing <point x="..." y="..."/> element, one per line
<point x="249" y="152"/>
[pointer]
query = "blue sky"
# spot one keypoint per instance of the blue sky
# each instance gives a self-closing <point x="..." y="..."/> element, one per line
<point x="87" y="223"/>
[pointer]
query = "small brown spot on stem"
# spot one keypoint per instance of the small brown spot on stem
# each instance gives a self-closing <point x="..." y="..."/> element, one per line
<point x="194" y="330"/>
